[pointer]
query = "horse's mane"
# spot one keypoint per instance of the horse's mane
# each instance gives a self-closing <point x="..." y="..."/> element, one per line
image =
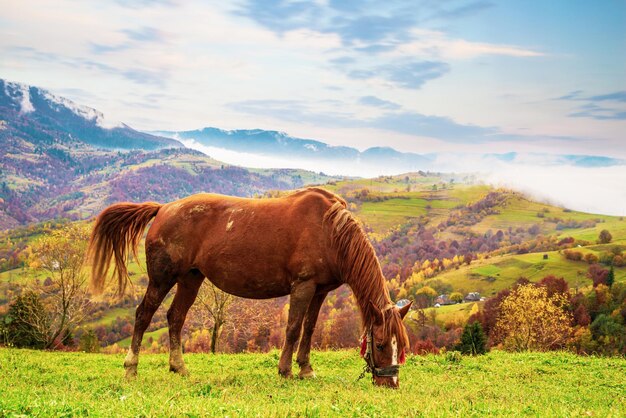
<point x="360" y="269"/>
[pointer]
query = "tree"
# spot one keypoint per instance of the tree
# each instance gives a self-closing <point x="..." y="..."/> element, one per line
<point x="24" y="321"/>
<point x="605" y="237"/>
<point x="554" y="285"/>
<point x="608" y="331"/>
<point x="473" y="339"/>
<point x="456" y="297"/>
<point x="425" y="295"/>
<point x="610" y="277"/>
<point x="597" y="274"/>
<point x="214" y="306"/>
<point x="64" y="297"/>
<point x="531" y="320"/>
<point x="89" y="342"/>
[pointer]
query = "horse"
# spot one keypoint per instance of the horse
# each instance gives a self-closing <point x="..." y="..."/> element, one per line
<point x="304" y="245"/>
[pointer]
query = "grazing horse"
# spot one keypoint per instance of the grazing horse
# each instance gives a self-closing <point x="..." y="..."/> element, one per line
<point x="303" y="245"/>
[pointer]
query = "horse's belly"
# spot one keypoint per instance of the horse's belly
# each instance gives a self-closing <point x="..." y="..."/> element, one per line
<point x="252" y="287"/>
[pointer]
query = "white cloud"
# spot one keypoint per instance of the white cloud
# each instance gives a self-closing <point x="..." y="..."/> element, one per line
<point x="438" y="44"/>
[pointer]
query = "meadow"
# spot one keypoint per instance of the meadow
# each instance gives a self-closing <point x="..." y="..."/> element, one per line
<point x="38" y="383"/>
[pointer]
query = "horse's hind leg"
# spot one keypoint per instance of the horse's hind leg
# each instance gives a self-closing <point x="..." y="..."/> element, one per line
<point x="299" y="301"/>
<point x="186" y="292"/>
<point x="304" y="348"/>
<point x="156" y="291"/>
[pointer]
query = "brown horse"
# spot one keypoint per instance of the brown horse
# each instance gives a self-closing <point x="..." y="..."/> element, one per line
<point x="303" y="245"/>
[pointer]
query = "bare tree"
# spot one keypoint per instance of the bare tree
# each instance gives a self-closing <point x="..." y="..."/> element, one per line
<point x="213" y="309"/>
<point x="64" y="295"/>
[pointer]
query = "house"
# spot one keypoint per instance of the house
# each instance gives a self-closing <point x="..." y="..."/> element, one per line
<point x="472" y="297"/>
<point x="444" y="300"/>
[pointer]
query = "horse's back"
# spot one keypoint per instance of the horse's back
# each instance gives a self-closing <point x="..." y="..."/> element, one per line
<point x="249" y="247"/>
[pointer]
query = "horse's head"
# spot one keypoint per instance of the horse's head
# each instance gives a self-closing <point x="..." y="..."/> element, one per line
<point x="385" y="343"/>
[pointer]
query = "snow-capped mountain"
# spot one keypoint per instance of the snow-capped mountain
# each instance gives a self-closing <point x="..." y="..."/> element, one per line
<point x="37" y="112"/>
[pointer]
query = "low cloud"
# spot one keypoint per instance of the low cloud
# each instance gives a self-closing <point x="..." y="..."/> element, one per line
<point x="547" y="178"/>
<point x="587" y="189"/>
<point x="594" y="190"/>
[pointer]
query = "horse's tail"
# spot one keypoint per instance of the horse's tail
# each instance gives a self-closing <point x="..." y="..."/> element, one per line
<point x="117" y="228"/>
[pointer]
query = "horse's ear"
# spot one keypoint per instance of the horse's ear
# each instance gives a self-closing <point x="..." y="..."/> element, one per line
<point x="378" y="315"/>
<point x="405" y="309"/>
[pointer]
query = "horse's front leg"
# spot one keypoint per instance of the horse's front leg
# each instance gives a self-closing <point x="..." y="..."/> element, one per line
<point x="304" y="349"/>
<point x="299" y="301"/>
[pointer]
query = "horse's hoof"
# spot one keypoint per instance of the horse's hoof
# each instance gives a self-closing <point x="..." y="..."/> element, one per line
<point x="307" y="374"/>
<point x="285" y="373"/>
<point x="180" y="370"/>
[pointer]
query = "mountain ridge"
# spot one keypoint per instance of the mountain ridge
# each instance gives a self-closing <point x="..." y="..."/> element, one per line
<point x="277" y="144"/>
<point x="31" y="109"/>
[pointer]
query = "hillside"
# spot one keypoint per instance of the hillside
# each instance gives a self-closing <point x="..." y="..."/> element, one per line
<point x="423" y="226"/>
<point x="43" y="118"/>
<point x="420" y="217"/>
<point x="60" y="159"/>
<point x="246" y="385"/>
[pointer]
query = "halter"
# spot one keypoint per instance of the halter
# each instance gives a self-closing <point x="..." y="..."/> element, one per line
<point x="370" y="367"/>
<point x="368" y="356"/>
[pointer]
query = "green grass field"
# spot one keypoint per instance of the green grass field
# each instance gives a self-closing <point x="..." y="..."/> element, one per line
<point x="36" y="383"/>
<point x="491" y="275"/>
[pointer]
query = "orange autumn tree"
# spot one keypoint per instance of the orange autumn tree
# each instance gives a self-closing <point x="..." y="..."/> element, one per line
<point x="531" y="320"/>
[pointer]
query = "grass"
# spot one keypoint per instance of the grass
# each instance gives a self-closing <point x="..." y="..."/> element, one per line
<point x="491" y="275"/>
<point x="457" y="313"/>
<point x="39" y="383"/>
<point x="384" y="215"/>
<point x="112" y="314"/>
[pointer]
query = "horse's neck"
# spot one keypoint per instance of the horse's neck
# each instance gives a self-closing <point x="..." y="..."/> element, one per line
<point x="374" y="290"/>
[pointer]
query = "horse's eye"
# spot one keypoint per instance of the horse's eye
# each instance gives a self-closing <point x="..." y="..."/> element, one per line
<point x="380" y="347"/>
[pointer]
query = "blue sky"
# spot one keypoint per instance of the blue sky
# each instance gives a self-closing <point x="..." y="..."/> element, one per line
<point x="422" y="76"/>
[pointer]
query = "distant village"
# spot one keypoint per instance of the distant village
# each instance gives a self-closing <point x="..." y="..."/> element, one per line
<point x="445" y="299"/>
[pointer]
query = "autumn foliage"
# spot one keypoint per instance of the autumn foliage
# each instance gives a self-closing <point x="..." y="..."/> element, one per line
<point x="530" y="319"/>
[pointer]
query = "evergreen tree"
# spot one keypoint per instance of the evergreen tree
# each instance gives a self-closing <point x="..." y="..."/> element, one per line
<point x="610" y="278"/>
<point x="473" y="340"/>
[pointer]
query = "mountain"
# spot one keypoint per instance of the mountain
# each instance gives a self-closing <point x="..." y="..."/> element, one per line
<point x="283" y="150"/>
<point x="42" y="117"/>
<point x="292" y="150"/>
<point x="258" y="141"/>
<point x="61" y="159"/>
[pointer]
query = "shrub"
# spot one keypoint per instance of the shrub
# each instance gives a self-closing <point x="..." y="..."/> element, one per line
<point x="25" y="320"/>
<point x="89" y="342"/>
<point x="605" y="237"/>
<point x="573" y="255"/>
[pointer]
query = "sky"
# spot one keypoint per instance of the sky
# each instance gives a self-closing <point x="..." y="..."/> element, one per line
<point x="424" y="76"/>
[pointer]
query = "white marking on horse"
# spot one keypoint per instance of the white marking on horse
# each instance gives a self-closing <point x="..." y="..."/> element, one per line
<point x="230" y="222"/>
<point x="394" y="356"/>
<point x="131" y="358"/>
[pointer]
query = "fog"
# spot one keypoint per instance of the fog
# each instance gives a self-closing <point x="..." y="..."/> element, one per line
<point x="344" y="168"/>
<point x="600" y="190"/>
